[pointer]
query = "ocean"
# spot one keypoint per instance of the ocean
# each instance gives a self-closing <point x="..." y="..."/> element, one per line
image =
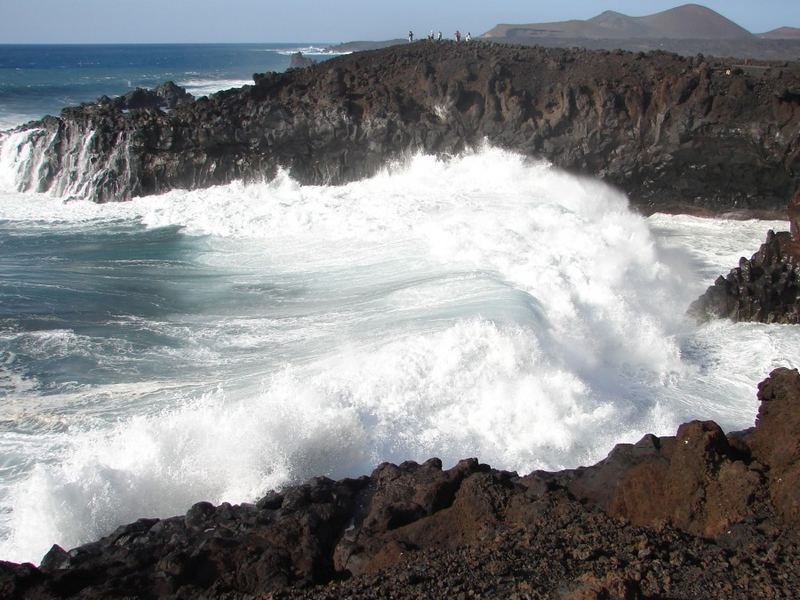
<point x="36" y="80"/>
<point x="214" y="344"/>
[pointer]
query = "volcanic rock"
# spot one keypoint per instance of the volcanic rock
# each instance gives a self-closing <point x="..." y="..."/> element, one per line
<point x="674" y="133"/>
<point x="697" y="515"/>
<point x="765" y="288"/>
<point x="167" y="95"/>
<point x="794" y="218"/>
<point x="298" y="61"/>
<point x="775" y="441"/>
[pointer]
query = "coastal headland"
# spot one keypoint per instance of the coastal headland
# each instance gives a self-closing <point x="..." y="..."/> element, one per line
<point x="674" y="133"/>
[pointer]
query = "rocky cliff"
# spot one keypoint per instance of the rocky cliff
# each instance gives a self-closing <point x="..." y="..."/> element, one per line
<point x="672" y="132"/>
<point x="697" y="515"/>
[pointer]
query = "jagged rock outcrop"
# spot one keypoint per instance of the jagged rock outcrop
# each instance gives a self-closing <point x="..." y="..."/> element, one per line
<point x="672" y="132"/>
<point x="697" y="515"/>
<point x="765" y="288"/>
<point x="168" y="95"/>
<point x="793" y="211"/>
<point x="299" y="61"/>
<point x="699" y="481"/>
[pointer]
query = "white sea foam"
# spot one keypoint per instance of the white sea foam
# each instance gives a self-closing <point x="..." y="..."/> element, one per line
<point x="23" y="159"/>
<point x="307" y="50"/>
<point x="16" y="152"/>
<point x="714" y="244"/>
<point x="483" y="306"/>
<point x="205" y="87"/>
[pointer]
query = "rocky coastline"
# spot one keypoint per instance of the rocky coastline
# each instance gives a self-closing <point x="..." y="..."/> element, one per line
<point x="697" y="515"/>
<point x="674" y="133"/>
<point x="765" y="288"/>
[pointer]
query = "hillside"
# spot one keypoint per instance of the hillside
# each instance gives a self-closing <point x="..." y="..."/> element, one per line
<point x="687" y="30"/>
<point x="689" y="21"/>
<point x="782" y="33"/>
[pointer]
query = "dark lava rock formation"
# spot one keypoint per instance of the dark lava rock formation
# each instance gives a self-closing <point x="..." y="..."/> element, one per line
<point x="765" y="288"/>
<point x="674" y="133"/>
<point x="165" y="96"/>
<point x="697" y="515"/>
<point x="299" y="61"/>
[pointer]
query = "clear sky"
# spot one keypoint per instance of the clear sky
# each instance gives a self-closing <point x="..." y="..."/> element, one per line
<point x="88" y="21"/>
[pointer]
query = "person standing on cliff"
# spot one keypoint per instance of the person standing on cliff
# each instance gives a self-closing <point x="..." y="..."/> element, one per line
<point x="410" y="36"/>
<point x="468" y="38"/>
<point x="439" y="37"/>
<point x="458" y="35"/>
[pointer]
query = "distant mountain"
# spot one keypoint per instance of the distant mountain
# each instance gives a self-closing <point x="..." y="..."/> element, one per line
<point x="690" y="21"/>
<point x="781" y="33"/>
<point x="689" y="30"/>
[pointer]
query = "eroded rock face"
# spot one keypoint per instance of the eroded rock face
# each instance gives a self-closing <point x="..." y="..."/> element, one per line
<point x="765" y="288"/>
<point x="168" y="95"/>
<point x="674" y="133"/>
<point x="697" y="481"/>
<point x="776" y="441"/>
<point x="703" y="508"/>
<point x="794" y="219"/>
<point x="298" y="61"/>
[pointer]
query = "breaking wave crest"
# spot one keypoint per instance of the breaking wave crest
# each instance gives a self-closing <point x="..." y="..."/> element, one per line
<point x="480" y="306"/>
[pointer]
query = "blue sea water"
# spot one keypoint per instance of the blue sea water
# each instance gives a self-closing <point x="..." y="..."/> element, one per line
<point x="213" y="344"/>
<point x="36" y="80"/>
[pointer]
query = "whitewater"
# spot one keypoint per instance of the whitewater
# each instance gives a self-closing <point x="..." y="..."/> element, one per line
<point x="215" y="344"/>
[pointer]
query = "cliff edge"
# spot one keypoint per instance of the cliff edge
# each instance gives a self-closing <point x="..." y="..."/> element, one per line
<point x="674" y="133"/>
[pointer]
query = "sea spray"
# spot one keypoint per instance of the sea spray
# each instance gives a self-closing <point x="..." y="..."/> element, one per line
<point x="243" y="337"/>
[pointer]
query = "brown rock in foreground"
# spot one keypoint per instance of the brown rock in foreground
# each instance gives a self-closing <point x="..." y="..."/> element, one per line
<point x="697" y="515"/>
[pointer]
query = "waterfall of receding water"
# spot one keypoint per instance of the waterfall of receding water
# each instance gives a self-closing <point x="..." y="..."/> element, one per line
<point x="19" y="167"/>
<point x="64" y="161"/>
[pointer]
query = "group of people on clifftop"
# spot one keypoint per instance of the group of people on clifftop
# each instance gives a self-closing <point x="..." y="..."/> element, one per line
<point x="437" y="36"/>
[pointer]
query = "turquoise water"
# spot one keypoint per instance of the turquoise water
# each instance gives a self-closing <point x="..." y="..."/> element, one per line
<point x="87" y="282"/>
